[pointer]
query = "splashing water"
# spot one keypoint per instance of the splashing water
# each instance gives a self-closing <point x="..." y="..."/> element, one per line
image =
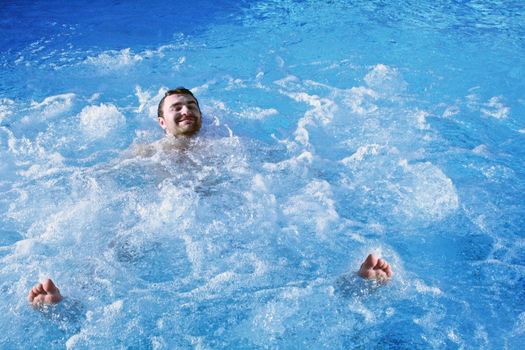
<point x="330" y="130"/>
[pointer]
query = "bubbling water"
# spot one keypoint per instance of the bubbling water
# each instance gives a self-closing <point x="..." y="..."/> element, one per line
<point x="247" y="235"/>
<point x="237" y="238"/>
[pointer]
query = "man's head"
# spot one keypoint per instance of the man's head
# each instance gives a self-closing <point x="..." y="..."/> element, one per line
<point x="179" y="113"/>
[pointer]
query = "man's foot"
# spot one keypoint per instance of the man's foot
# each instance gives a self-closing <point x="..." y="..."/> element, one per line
<point x="44" y="293"/>
<point x="375" y="268"/>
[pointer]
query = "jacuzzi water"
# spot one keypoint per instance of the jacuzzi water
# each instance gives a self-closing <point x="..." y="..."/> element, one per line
<point x="331" y="129"/>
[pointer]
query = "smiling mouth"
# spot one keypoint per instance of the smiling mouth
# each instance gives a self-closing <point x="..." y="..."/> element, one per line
<point x="186" y="120"/>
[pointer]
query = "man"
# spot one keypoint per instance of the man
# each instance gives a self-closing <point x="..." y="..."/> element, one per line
<point x="180" y="116"/>
<point x="179" y="113"/>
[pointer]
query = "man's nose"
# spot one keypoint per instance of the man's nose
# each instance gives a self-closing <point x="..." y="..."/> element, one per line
<point x="184" y="110"/>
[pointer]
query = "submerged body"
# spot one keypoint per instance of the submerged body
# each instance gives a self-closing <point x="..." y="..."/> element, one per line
<point x="180" y="116"/>
<point x="373" y="267"/>
<point x="406" y="141"/>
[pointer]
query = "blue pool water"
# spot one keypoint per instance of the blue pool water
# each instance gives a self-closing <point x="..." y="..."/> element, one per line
<point x="332" y="129"/>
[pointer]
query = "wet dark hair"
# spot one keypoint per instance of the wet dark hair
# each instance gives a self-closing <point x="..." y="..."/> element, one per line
<point x="177" y="91"/>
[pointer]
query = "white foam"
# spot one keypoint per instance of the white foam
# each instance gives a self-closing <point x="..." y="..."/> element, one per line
<point x="495" y="108"/>
<point x="451" y="111"/>
<point x="19" y="60"/>
<point x="67" y="224"/>
<point x="257" y="113"/>
<point x="430" y="194"/>
<point x="160" y="52"/>
<point x="453" y="336"/>
<point x="149" y="103"/>
<point x="289" y="82"/>
<point x="481" y="150"/>
<point x="301" y="133"/>
<point x="482" y="335"/>
<point x="368" y="150"/>
<point x="110" y="60"/>
<point x="219" y="282"/>
<point x="6" y="108"/>
<point x="25" y="147"/>
<point x="94" y="97"/>
<point x="313" y="100"/>
<point x="51" y="106"/>
<point x="258" y="183"/>
<point x="114" y="308"/>
<point x="314" y="207"/>
<point x="298" y="163"/>
<point x="472" y="101"/>
<point x="158" y="343"/>
<point x="99" y="121"/>
<point x="360" y="309"/>
<point x="321" y="114"/>
<point x="421" y="119"/>
<point x="385" y="80"/>
<point x="52" y="165"/>
<point x="176" y="206"/>
<point x="418" y="191"/>
<point x="421" y="287"/>
<point x="261" y="204"/>
<point x="143" y="96"/>
<point x="429" y="320"/>
<point x="269" y="321"/>
<point x="497" y="173"/>
<point x="360" y="100"/>
<point x="280" y="61"/>
<point x="519" y="326"/>
<point x="28" y="247"/>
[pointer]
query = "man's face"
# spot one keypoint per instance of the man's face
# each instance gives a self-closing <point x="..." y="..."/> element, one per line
<point x="182" y="115"/>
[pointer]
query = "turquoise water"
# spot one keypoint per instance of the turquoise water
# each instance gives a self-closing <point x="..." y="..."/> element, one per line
<point x="330" y="130"/>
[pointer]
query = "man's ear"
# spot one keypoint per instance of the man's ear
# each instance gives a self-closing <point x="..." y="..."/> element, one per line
<point x="162" y="122"/>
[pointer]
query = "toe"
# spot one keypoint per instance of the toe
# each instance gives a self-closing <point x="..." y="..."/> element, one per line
<point x="37" y="289"/>
<point x="39" y="300"/>
<point x="369" y="262"/>
<point x="380" y="264"/>
<point x="44" y="293"/>
<point x="52" y="298"/>
<point x="49" y="287"/>
<point x="388" y="271"/>
<point x="366" y="269"/>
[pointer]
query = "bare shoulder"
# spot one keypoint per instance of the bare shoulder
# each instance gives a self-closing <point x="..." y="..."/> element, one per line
<point x="164" y="145"/>
<point x="144" y="150"/>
